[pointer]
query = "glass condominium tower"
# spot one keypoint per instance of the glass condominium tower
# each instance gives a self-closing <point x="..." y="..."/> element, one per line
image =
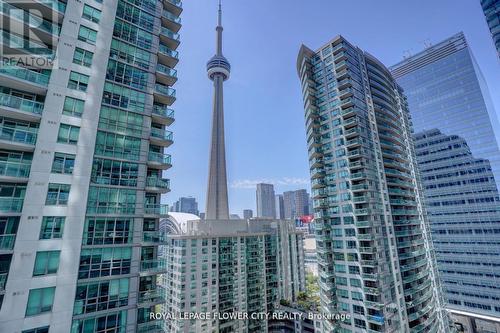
<point x="82" y="145"/>
<point x="491" y="9"/>
<point x="456" y="133"/>
<point x="374" y="252"/>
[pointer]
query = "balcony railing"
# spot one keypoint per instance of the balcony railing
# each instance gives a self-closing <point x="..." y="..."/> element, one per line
<point x="21" y="104"/>
<point x="155" y="209"/>
<point x="153" y="181"/>
<point x="25" y="74"/>
<point x="7" y="242"/>
<point x="110" y="208"/>
<point x="11" y="205"/>
<point x="177" y="3"/>
<point x="33" y="20"/>
<point x="163" y="111"/>
<point x="171" y="17"/>
<point x="14" y="169"/>
<point x="162" y="134"/>
<point x="165" y="90"/>
<point x="170" y="34"/>
<point x="57" y="5"/>
<point x="166" y="70"/>
<point x="17" y="135"/>
<point x="156" y="237"/>
<point x="152" y="296"/>
<point x="165" y="50"/>
<point x="159" y="158"/>
<point x="153" y="266"/>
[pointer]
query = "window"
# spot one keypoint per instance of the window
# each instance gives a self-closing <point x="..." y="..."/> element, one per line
<point x="91" y="14"/>
<point x="57" y="194"/>
<point x="110" y="172"/>
<point x="46" y="262"/>
<point x="40" y="300"/>
<point x="82" y="57"/>
<point x="44" y="329"/>
<point x="73" y="107"/>
<point x="87" y="35"/>
<point x="63" y="163"/>
<point x="52" y="227"/>
<point x="101" y="295"/>
<point x="104" y="262"/>
<point x="100" y="231"/>
<point x="78" y="81"/>
<point x="68" y="134"/>
<point x="110" y="322"/>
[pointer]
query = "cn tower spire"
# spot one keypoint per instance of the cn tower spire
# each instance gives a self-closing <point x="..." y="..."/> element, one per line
<point x="218" y="70"/>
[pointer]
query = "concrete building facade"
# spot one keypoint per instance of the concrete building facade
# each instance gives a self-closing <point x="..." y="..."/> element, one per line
<point x="82" y="151"/>
<point x="265" y="200"/>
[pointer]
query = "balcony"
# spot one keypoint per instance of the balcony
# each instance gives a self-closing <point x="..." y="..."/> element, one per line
<point x="155" y="326"/>
<point x="159" y="160"/>
<point x="14" y="138"/>
<point x="173" y="6"/>
<point x="151" y="297"/>
<point x="154" y="266"/>
<point x="7" y="242"/>
<point x="3" y="281"/>
<point x="110" y="208"/>
<point x="20" y="108"/>
<point x="11" y="205"/>
<point x="161" y="137"/>
<point x="156" y="210"/>
<point x="169" y="38"/>
<point x="164" y="94"/>
<point x="14" y="171"/>
<point x="23" y="79"/>
<point x="157" y="184"/>
<point x="167" y="56"/>
<point x="171" y="21"/>
<point x="48" y="8"/>
<point x="165" y="75"/>
<point x="154" y="237"/>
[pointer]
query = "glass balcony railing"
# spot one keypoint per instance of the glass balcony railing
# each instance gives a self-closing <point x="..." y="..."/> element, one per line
<point x="165" y="50"/>
<point x="155" y="326"/>
<point x="155" y="295"/>
<point x="27" y="45"/>
<point x="110" y="208"/>
<point x="159" y="158"/>
<point x="17" y="135"/>
<point x="153" y="181"/>
<point x="171" y="17"/>
<point x="11" y="205"/>
<point x="162" y="134"/>
<point x="34" y="21"/>
<point x="177" y="3"/>
<point x="156" y="237"/>
<point x="164" y="90"/>
<point x="14" y="169"/>
<point x="170" y="34"/>
<point x="166" y="70"/>
<point x="163" y="110"/>
<point x="21" y="104"/>
<point x="7" y="242"/>
<point x="153" y="266"/>
<point x="3" y="281"/>
<point x="25" y="74"/>
<point x="155" y="209"/>
<point x="57" y="5"/>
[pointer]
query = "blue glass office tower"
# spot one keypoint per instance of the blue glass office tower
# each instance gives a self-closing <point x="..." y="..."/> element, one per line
<point x="459" y="162"/>
<point x="491" y="9"/>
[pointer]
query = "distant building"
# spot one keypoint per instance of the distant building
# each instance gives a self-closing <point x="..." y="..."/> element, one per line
<point x="265" y="200"/>
<point x="254" y="264"/>
<point x="186" y="205"/>
<point x="234" y="217"/>
<point x="279" y="206"/>
<point x="296" y="203"/>
<point x="247" y="213"/>
<point x="458" y="157"/>
<point x="491" y="9"/>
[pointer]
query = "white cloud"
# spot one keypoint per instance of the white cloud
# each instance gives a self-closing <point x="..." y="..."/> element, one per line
<point x="285" y="181"/>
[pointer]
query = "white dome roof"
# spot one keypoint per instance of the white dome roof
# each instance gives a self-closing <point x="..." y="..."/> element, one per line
<point x="176" y="223"/>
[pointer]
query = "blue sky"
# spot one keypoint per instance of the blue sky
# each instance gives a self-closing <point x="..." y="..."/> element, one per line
<point x="265" y="135"/>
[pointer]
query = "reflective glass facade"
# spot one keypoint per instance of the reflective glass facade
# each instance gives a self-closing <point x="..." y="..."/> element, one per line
<point x="491" y="9"/>
<point x="457" y="150"/>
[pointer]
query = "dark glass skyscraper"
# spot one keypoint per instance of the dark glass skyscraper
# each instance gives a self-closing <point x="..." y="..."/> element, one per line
<point x="491" y="10"/>
<point x="459" y="162"/>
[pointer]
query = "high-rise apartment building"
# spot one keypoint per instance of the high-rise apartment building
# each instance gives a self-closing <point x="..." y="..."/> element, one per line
<point x="296" y="203"/>
<point x="186" y="205"/>
<point x="265" y="200"/>
<point x="247" y="213"/>
<point x="279" y="205"/>
<point x="228" y="266"/>
<point x="374" y="250"/>
<point x="491" y="9"/>
<point x="82" y="153"/>
<point x="459" y="160"/>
